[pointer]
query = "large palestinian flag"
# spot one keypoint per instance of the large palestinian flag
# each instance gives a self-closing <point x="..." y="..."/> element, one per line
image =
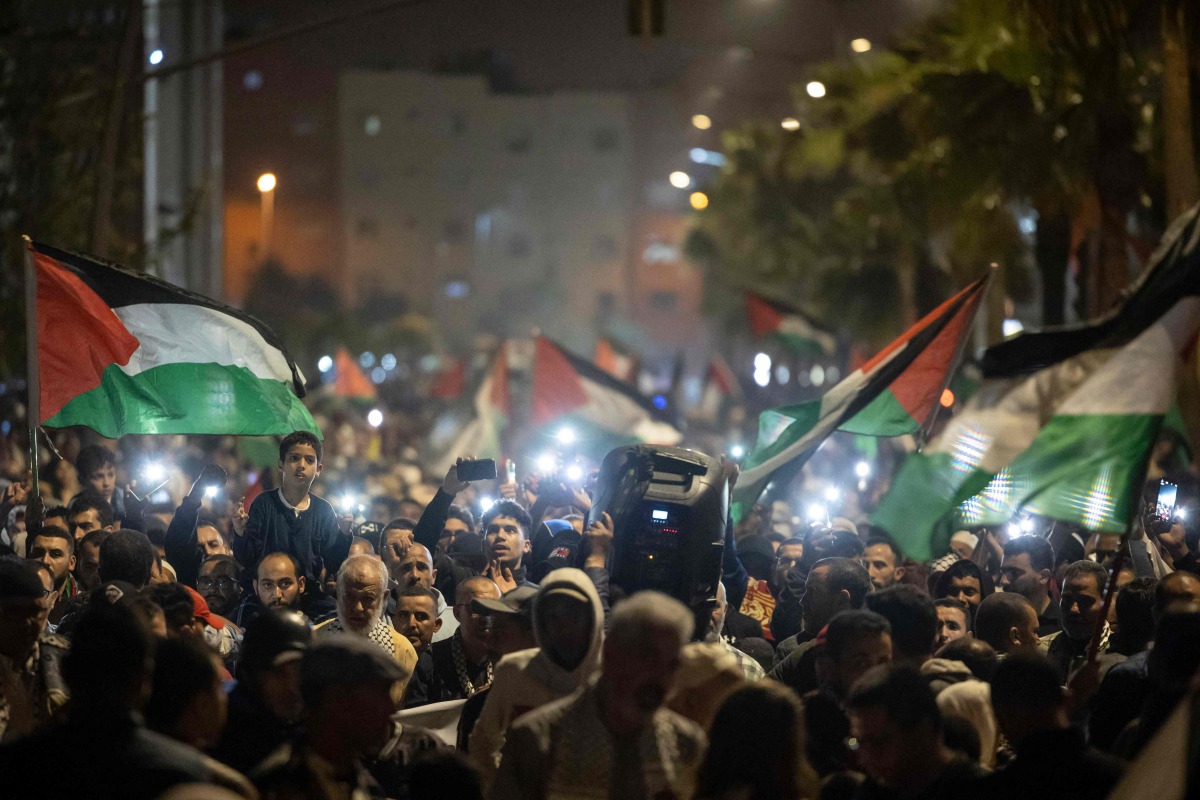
<point x="894" y="393"/>
<point x="1063" y="423"/>
<point x="121" y="352"/>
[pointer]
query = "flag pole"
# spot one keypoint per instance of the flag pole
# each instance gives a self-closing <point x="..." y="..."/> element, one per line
<point x="1109" y="594"/>
<point x="34" y="406"/>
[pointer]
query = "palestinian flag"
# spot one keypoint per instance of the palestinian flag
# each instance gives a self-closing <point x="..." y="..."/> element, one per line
<point x="894" y="393"/>
<point x="720" y="385"/>
<point x="791" y="327"/>
<point x="350" y="381"/>
<point x="121" y="352"/>
<point x="567" y="385"/>
<point x="1064" y="421"/>
<point x="616" y="360"/>
<point x="563" y="388"/>
<point x="1070" y="442"/>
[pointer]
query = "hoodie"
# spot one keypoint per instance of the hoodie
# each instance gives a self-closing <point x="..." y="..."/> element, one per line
<point x="527" y="679"/>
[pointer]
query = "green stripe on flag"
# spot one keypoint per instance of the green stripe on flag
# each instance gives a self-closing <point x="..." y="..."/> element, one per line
<point x="883" y="416"/>
<point x="187" y="398"/>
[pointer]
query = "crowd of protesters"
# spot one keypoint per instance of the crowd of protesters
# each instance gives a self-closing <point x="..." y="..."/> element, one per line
<point x="228" y="633"/>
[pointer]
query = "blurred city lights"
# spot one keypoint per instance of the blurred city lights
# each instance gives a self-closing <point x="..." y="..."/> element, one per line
<point x="546" y="463"/>
<point x="702" y="121"/>
<point x="154" y="472"/>
<point x="862" y="469"/>
<point x="860" y="45"/>
<point x="574" y="473"/>
<point x="210" y="491"/>
<point x="762" y="377"/>
<point x="378" y="375"/>
<point x="266" y="182"/>
<point x="486" y="503"/>
<point x="947" y="398"/>
<point x="367" y="359"/>
<point x="388" y="361"/>
<point x="699" y="201"/>
<point x="817" y="375"/>
<point x="325" y="363"/>
<point x="782" y="374"/>
<point x="762" y="361"/>
<point x="701" y="156"/>
<point x="374" y="417"/>
<point x="156" y="57"/>
<point x="660" y="401"/>
<point x="737" y="451"/>
<point x="680" y="180"/>
<point x="815" y="89"/>
<point x="565" y="436"/>
<point x="790" y="124"/>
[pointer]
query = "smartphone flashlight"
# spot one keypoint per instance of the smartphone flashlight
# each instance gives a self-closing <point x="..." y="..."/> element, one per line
<point x="211" y="491"/>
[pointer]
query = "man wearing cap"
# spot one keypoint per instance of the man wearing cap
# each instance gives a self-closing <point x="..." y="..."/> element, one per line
<point x="32" y="689"/>
<point x="569" y="626"/>
<point x="461" y="666"/>
<point x="350" y="689"/>
<point x="362" y="586"/>
<point x="266" y="704"/>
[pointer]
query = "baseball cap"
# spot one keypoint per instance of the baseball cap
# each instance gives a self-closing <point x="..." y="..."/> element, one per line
<point x="201" y="610"/>
<point x="517" y="601"/>
<point x="274" y="638"/>
<point x="343" y="658"/>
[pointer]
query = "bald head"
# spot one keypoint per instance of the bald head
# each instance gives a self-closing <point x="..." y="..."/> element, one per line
<point x="415" y="568"/>
<point x="475" y="588"/>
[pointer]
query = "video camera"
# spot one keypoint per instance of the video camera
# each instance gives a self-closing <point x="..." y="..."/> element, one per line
<point x="669" y="506"/>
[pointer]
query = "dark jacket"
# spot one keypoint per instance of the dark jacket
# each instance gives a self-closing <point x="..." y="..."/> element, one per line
<point x="798" y="670"/>
<point x="251" y="731"/>
<point x="108" y="754"/>
<point x="312" y="536"/>
<point x="1053" y="765"/>
<point x="286" y="775"/>
<point x="182" y="550"/>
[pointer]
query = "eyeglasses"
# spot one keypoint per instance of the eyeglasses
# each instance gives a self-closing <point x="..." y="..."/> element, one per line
<point x="208" y="582"/>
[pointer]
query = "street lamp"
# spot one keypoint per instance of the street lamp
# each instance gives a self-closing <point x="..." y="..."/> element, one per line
<point x="266" y="187"/>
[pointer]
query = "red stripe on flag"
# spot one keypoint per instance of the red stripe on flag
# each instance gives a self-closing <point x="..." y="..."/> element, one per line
<point x="919" y="388"/>
<point x="78" y="334"/>
<point x="765" y="319"/>
<point x="926" y="321"/>
<point x="557" y="388"/>
<point x="450" y="381"/>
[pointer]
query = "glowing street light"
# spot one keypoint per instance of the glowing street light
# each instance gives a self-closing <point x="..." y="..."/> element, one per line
<point x="815" y="89"/>
<point x="860" y="45"/>
<point x="699" y="201"/>
<point x="266" y="187"/>
<point x="702" y="121"/>
<point x="374" y="417"/>
<point x="790" y="124"/>
<point x="156" y="57"/>
<point x="325" y="363"/>
<point x="680" y="179"/>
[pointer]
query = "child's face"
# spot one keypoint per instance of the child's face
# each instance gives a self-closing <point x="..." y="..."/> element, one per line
<point x="300" y="467"/>
<point x="104" y="480"/>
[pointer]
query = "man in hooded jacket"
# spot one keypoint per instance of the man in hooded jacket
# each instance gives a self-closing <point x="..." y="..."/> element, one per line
<point x="568" y="623"/>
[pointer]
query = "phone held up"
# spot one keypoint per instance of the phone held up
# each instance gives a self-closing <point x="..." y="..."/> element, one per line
<point x="477" y="470"/>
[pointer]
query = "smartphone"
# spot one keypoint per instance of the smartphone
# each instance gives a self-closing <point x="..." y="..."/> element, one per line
<point x="477" y="470"/>
<point x="216" y="477"/>
<point x="510" y="469"/>
<point x="1164" y="508"/>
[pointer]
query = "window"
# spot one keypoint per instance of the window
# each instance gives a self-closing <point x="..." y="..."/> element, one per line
<point x="519" y="246"/>
<point x="663" y="301"/>
<point x="454" y="230"/>
<point x="604" y="247"/>
<point x="606" y="140"/>
<point x="366" y="228"/>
